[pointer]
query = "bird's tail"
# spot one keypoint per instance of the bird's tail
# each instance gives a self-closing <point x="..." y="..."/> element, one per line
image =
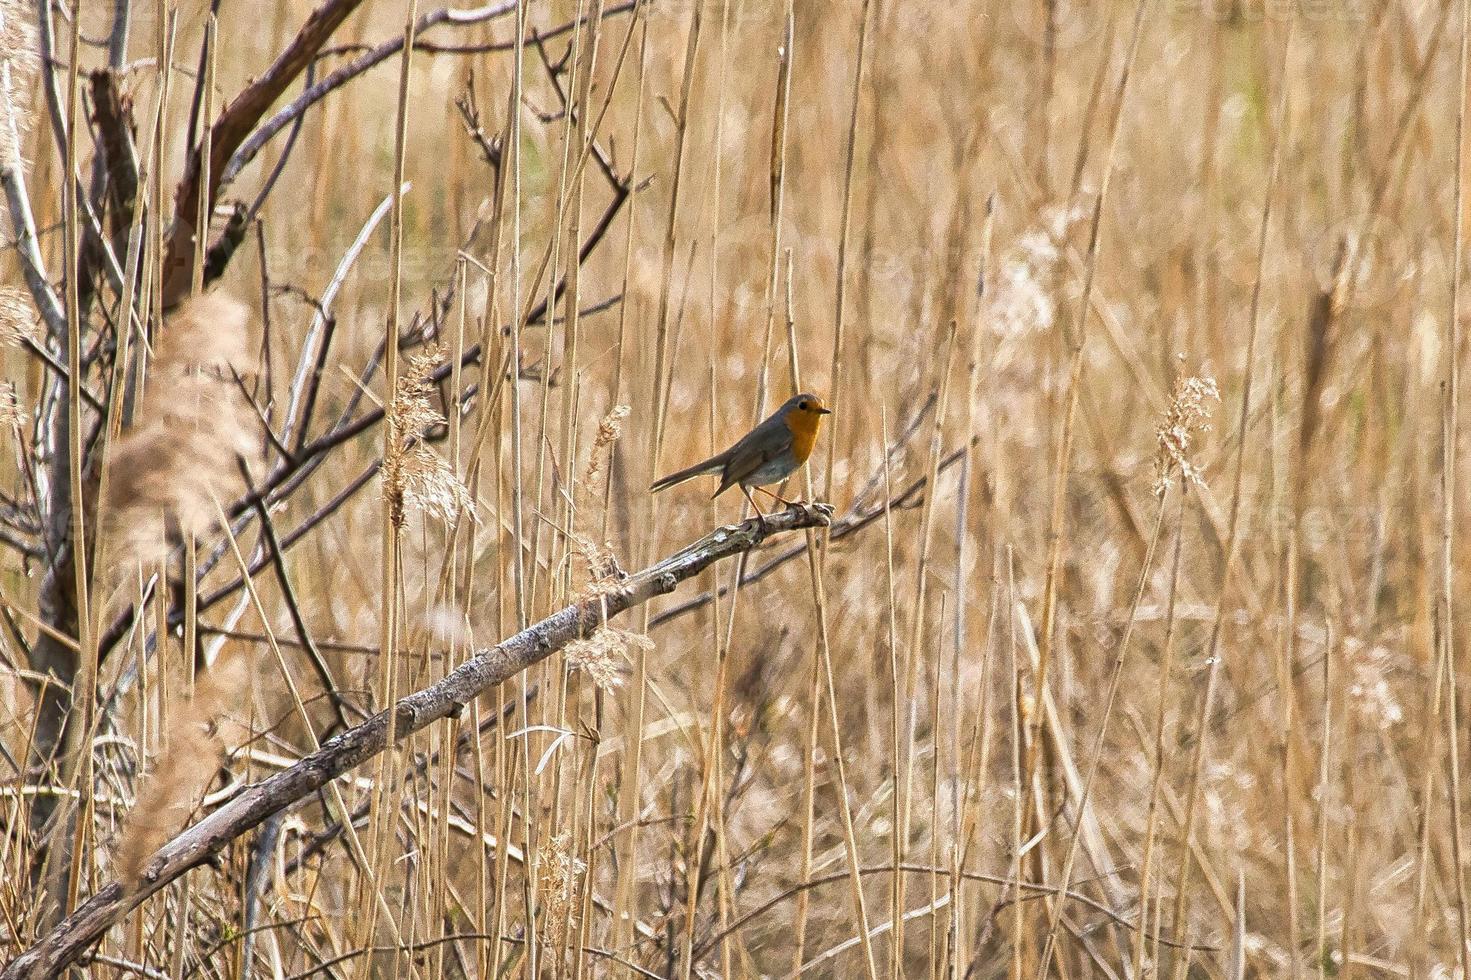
<point x="712" y="465"/>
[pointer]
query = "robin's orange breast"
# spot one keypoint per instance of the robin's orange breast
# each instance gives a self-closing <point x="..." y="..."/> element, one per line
<point x="803" y="426"/>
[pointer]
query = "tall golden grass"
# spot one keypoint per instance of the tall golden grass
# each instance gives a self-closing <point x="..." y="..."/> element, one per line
<point x="1135" y="647"/>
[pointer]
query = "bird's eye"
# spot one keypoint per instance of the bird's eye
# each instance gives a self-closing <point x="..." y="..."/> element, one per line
<point x="806" y="405"/>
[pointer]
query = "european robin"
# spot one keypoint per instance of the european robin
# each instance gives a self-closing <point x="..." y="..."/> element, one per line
<point x="769" y="453"/>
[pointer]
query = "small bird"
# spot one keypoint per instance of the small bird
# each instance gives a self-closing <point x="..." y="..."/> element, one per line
<point x="769" y="453"/>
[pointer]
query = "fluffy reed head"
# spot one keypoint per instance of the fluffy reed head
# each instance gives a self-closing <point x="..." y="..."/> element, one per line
<point x="604" y="654"/>
<point x="182" y="771"/>
<point x="18" y="321"/>
<point x="191" y="431"/>
<point x="12" y="416"/>
<point x="415" y="476"/>
<point x="17" y="75"/>
<point x="1188" y="414"/>
<point x="610" y="429"/>
<point x="595" y="569"/>
<point x="559" y="872"/>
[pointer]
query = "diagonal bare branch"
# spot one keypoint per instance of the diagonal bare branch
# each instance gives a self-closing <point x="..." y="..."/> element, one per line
<point x="71" y="938"/>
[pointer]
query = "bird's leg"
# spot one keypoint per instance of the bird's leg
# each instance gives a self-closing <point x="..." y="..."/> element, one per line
<point x="777" y="497"/>
<point x="752" y="500"/>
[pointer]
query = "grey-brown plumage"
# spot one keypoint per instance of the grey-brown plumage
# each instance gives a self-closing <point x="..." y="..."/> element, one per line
<point x="767" y="454"/>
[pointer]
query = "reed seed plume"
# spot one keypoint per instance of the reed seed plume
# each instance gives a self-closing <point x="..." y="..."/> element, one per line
<point x="601" y="567"/>
<point x="595" y="475"/>
<point x="604" y="654"/>
<point x="191" y="431"/>
<point x="17" y="76"/>
<point x="414" y="475"/>
<point x="1025" y="298"/>
<point x="601" y="570"/>
<point x="1188" y="415"/>
<point x="186" y="764"/>
<point x="1370" y="693"/>
<point x="12" y="416"/>
<point x="559" y="872"/>
<point x="18" y="321"/>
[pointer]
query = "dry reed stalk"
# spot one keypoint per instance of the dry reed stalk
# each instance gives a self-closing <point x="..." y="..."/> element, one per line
<point x="776" y="173"/>
<point x="1151" y="822"/>
<point x="628" y="898"/>
<point x="1020" y="725"/>
<point x="725" y="887"/>
<point x="518" y="540"/>
<point x="711" y="783"/>
<point x="620" y="352"/>
<point x="583" y="136"/>
<point x="658" y="407"/>
<point x="78" y="764"/>
<point x="498" y="372"/>
<point x="1187" y="415"/>
<point x="1449" y="443"/>
<point x="606" y="672"/>
<point x="1062" y="464"/>
<point x="587" y="814"/>
<point x="976" y="771"/>
<point x="385" y="791"/>
<point x="1325" y="743"/>
<point x="1352" y="840"/>
<point x="493" y="374"/>
<point x="567" y="184"/>
<point x="840" y="284"/>
<point x="968" y="484"/>
<point x="1213" y="656"/>
<point x="905" y="775"/>
<point x="823" y="668"/>
<point x="712" y="758"/>
<point x="935" y="693"/>
<point x="897" y="703"/>
<point x="439" y="881"/>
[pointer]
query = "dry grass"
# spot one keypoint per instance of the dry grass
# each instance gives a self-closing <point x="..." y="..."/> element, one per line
<point x="1101" y="645"/>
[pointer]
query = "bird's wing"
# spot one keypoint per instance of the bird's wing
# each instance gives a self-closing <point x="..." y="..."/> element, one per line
<point x="743" y="459"/>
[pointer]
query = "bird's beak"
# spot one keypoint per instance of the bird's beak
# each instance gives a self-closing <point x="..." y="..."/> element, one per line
<point x="824" y="411"/>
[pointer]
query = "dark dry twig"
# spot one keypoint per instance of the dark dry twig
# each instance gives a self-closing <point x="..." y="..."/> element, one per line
<point x="228" y="132"/>
<point x="340" y="706"/>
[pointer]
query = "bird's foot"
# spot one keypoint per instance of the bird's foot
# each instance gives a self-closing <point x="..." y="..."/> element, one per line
<point x="823" y="512"/>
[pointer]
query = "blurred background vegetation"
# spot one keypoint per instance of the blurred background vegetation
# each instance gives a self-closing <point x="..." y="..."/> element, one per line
<point x="1000" y="238"/>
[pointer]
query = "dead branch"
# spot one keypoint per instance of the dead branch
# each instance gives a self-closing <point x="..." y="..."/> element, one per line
<point x="69" y="939"/>
<point x="230" y="130"/>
